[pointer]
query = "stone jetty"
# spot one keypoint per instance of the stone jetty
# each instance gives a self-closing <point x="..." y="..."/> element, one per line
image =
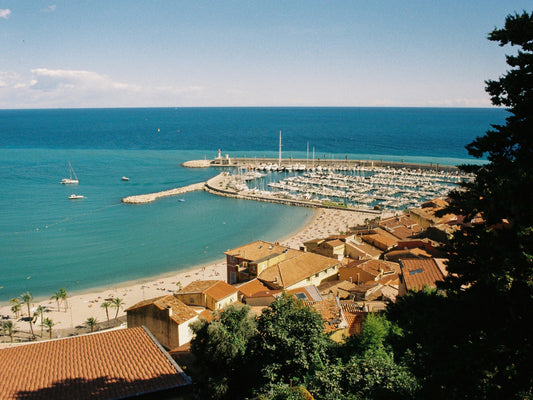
<point x="148" y="198"/>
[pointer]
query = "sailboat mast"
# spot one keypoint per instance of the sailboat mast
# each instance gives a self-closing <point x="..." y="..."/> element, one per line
<point x="279" y="161"/>
<point x="307" y="156"/>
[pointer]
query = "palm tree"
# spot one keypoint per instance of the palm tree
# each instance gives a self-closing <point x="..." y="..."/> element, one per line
<point x="49" y="324"/>
<point x="63" y="295"/>
<point x="105" y="305"/>
<point x="15" y="309"/>
<point x="39" y="313"/>
<point x="56" y="297"/>
<point x="91" y="323"/>
<point x="9" y="329"/>
<point x="118" y="304"/>
<point x="27" y="298"/>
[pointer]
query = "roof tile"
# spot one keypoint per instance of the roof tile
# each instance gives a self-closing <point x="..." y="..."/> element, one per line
<point x="112" y="364"/>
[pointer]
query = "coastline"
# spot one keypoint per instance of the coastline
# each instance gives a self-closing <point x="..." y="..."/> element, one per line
<point x="84" y="305"/>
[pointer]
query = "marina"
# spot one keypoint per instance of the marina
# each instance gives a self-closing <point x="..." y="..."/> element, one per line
<point x="361" y="188"/>
<point x="356" y="187"/>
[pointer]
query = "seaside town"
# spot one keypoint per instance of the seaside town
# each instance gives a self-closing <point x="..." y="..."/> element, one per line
<point x="407" y="281"/>
<point x="346" y="264"/>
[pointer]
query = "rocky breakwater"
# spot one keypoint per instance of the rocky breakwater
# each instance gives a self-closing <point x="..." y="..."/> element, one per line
<point x="148" y="198"/>
<point x="197" y="164"/>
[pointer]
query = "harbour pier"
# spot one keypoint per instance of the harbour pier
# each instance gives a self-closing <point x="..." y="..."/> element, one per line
<point x="148" y="198"/>
<point x="306" y="164"/>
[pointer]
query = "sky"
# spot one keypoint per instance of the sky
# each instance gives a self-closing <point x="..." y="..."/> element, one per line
<point x="174" y="53"/>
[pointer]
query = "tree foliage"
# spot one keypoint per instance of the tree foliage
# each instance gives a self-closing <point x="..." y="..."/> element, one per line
<point x="222" y="350"/>
<point x="293" y="344"/>
<point x="476" y="341"/>
<point x="284" y="352"/>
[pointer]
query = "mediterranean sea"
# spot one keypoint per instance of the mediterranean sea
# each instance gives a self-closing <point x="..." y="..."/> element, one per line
<point x="48" y="241"/>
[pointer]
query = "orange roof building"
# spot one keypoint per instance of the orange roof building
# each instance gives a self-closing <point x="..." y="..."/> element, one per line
<point x="166" y="317"/>
<point x="210" y="294"/>
<point x="114" y="364"/>
<point x="417" y="273"/>
<point x="248" y="261"/>
<point x="301" y="270"/>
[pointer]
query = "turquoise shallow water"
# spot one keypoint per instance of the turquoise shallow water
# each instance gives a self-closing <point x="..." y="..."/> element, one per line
<point x="48" y="241"/>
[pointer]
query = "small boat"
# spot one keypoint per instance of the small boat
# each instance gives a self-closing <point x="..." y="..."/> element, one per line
<point x="75" y="197"/>
<point x="72" y="179"/>
<point x="181" y="200"/>
<point x="125" y="178"/>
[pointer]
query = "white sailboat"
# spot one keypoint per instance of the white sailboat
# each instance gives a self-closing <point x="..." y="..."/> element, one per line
<point x="72" y="179"/>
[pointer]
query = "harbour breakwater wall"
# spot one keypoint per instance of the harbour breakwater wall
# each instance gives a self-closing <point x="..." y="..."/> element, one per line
<point x="148" y="198"/>
<point x="255" y="162"/>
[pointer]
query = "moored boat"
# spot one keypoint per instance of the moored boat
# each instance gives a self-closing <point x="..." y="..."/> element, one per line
<point x="72" y="179"/>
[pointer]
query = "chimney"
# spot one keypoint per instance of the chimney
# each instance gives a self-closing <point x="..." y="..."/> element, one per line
<point x="169" y="309"/>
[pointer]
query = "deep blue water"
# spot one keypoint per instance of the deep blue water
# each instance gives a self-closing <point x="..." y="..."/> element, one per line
<point x="48" y="241"/>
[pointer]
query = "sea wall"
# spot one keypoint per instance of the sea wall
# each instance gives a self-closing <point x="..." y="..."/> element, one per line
<point x="346" y="163"/>
<point x="148" y="198"/>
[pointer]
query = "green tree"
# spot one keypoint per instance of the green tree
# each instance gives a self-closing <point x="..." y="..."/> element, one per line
<point x="26" y="299"/>
<point x="91" y="322"/>
<point x="39" y="313"/>
<point x="118" y="304"/>
<point x="64" y="297"/>
<point x="105" y="305"/>
<point x="369" y="370"/>
<point x="57" y="296"/>
<point x="483" y="325"/>
<point x="222" y="350"/>
<point x="292" y="343"/>
<point x="49" y="324"/>
<point x="15" y="309"/>
<point x="9" y="329"/>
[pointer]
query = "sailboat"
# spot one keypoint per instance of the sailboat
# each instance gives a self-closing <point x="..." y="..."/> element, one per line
<point x="72" y="179"/>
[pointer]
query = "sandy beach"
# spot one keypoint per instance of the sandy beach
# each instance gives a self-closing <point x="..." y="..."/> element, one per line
<point x="83" y="306"/>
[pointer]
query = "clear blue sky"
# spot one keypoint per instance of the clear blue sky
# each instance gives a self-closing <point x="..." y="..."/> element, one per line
<point x="79" y="53"/>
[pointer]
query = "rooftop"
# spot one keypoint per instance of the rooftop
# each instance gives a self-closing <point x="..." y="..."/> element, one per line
<point x="419" y="272"/>
<point x="218" y="290"/>
<point x="107" y="365"/>
<point x="293" y="270"/>
<point x="259" y="250"/>
<point x="181" y="312"/>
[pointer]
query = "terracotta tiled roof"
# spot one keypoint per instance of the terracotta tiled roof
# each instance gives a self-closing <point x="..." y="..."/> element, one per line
<point x="198" y="286"/>
<point x="435" y="203"/>
<point x="365" y="249"/>
<point x="258" y="250"/>
<point x="419" y="272"/>
<point x="330" y="313"/>
<point x="106" y="365"/>
<point x="354" y="317"/>
<point x="367" y="270"/>
<point x="220" y="290"/>
<point x="288" y="272"/>
<point x="381" y="239"/>
<point x="181" y="312"/>
<point x="334" y="243"/>
<point x="254" y="286"/>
